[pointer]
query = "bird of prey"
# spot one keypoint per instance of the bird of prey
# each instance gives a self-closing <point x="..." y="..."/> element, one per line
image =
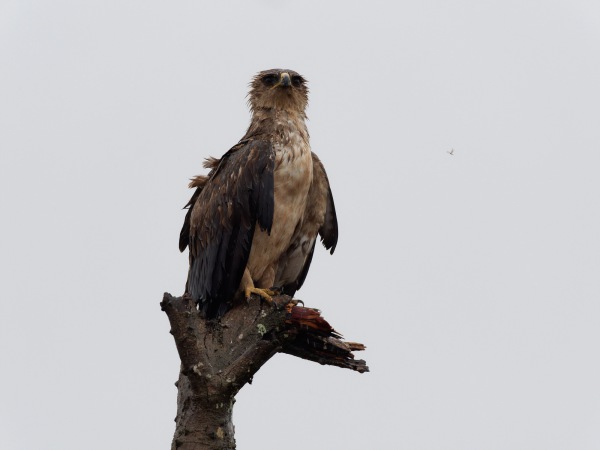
<point x="253" y="221"/>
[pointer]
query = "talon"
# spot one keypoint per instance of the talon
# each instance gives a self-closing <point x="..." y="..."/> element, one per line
<point x="291" y="304"/>
<point x="263" y="293"/>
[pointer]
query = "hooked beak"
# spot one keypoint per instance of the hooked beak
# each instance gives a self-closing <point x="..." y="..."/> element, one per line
<point x="284" y="79"/>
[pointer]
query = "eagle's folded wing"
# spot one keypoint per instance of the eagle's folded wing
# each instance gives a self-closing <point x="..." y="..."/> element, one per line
<point x="237" y="195"/>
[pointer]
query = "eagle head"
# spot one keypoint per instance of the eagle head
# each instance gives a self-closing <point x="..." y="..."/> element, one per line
<point x="278" y="89"/>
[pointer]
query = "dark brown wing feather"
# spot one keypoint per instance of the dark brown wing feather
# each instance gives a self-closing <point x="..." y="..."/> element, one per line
<point x="329" y="229"/>
<point x="197" y="182"/>
<point x="221" y="223"/>
<point x="184" y="236"/>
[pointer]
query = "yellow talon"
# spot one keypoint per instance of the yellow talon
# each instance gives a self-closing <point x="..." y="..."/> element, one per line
<point x="264" y="293"/>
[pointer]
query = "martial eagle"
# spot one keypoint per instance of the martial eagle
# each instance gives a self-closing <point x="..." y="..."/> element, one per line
<point x="253" y="220"/>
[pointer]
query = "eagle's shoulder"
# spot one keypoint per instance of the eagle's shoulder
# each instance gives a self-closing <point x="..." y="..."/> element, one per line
<point x="244" y="174"/>
<point x="258" y="153"/>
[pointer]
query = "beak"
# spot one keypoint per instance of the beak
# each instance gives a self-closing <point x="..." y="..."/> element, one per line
<point x="284" y="79"/>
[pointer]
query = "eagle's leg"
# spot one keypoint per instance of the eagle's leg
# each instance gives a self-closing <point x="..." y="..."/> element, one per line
<point x="247" y="285"/>
<point x="263" y="293"/>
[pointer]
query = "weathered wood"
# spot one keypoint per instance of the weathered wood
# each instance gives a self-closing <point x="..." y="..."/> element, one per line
<point x="219" y="357"/>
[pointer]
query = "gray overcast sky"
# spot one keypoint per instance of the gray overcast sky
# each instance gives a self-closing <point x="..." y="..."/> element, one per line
<point x="473" y="278"/>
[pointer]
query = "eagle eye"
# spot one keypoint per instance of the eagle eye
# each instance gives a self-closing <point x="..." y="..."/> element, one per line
<point x="269" y="80"/>
<point x="297" y="80"/>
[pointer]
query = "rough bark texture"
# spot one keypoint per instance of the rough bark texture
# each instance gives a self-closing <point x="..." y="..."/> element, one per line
<point x="219" y="357"/>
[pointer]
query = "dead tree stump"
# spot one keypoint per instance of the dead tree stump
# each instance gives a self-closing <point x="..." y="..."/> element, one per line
<point x="219" y="357"/>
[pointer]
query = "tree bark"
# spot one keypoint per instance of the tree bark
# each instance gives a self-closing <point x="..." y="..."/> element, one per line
<point x="219" y="357"/>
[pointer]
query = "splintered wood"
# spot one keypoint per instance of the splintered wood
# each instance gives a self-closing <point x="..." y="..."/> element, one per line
<point x="313" y="338"/>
